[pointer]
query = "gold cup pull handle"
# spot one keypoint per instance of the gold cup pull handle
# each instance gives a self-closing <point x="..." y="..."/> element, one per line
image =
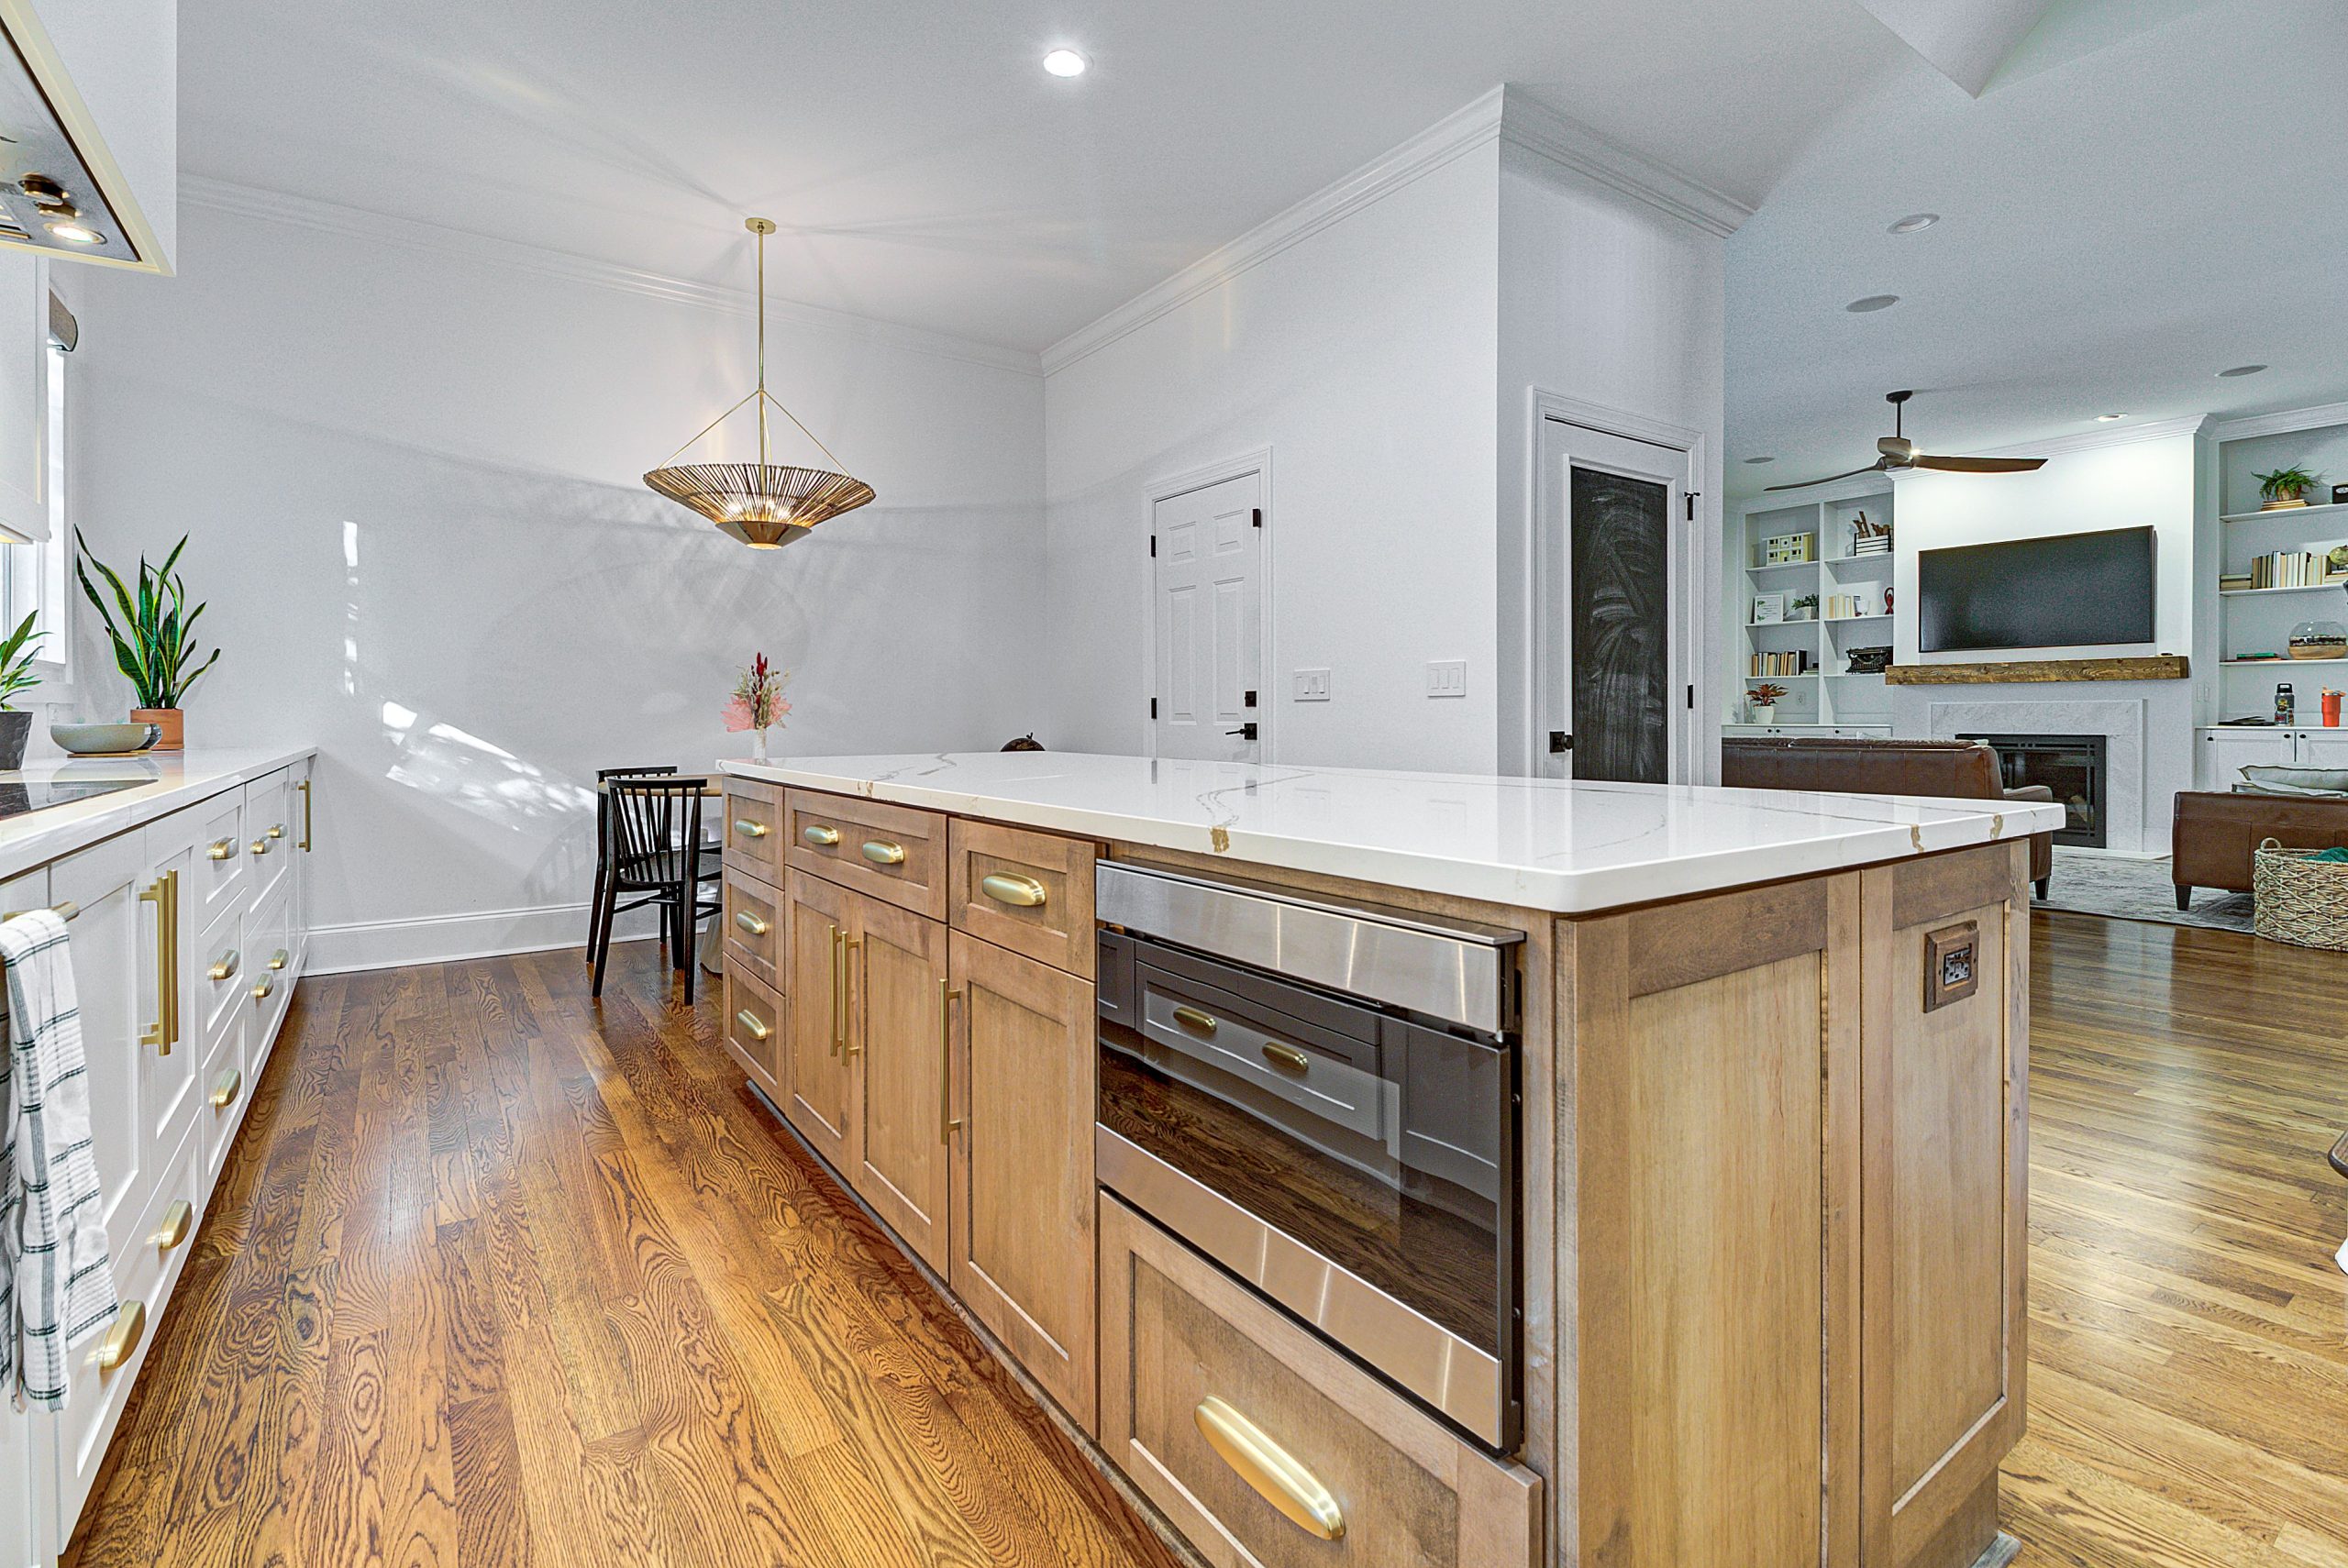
<point x="279" y="959"/>
<point x="1005" y="887"/>
<point x="260" y="847"/>
<point x="1270" y="1469"/>
<point x="277" y="831"/>
<point x="1194" y="1020"/>
<point x="819" y="835"/>
<point x="174" y="1228"/>
<point x="221" y="849"/>
<point x="749" y="829"/>
<point x="225" y="966"/>
<point x="224" y="1088"/>
<point x="751" y="923"/>
<point x="749" y="1020"/>
<point x="880" y="852"/>
<point x="1286" y="1056"/>
<point x="122" y="1340"/>
<point x="262" y="988"/>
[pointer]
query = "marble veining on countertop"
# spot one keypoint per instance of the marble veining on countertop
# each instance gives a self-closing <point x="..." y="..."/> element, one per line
<point x="1568" y="846"/>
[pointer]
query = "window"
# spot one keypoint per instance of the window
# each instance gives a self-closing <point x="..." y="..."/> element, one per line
<point x="33" y="578"/>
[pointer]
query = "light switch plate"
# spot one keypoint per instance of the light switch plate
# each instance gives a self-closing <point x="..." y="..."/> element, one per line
<point x="1312" y="685"/>
<point x="1447" y="677"/>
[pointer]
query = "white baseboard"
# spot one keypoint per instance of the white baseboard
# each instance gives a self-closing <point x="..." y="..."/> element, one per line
<point x="441" y="939"/>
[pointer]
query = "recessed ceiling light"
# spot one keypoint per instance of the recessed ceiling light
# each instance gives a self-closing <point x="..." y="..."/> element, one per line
<point x="2243" y="371"/>
<point x="77" y="233"/>
<point x="1872" y="302"/>
<point x="1066" y="62"/>
<point x="1915" y="221"/>
<point x="2107" y="418"/>
<point x="1760" y="459"/>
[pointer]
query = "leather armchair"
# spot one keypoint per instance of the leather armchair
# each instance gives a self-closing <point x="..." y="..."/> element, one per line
<point x="1964" y="770"/>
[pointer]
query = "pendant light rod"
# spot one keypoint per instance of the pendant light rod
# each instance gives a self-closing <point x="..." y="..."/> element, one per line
<point x="762" y="227"/>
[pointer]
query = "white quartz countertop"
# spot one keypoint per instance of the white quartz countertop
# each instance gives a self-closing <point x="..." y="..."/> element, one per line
<point x="166" y="781"/>
<point x="1536" y="844"/>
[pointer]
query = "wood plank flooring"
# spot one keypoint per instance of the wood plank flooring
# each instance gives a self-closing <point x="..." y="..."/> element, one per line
<point x="491" y="1281"/>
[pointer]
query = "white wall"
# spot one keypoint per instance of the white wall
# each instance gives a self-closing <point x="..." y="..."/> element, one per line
<point x="1609" y="300"/>
<point x="413" y="484"/>
<point x="1363" y="356"/>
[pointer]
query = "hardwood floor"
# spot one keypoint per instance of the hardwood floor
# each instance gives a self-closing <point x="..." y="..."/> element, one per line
<point x="2188" y="1354"/>
<point x="487" y="1283"/>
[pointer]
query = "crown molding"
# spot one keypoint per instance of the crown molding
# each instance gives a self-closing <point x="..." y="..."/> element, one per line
<point x="2092" y="440"/>
<point x="1462" y="131"/>
<point x="2282" y="424"/>
<point x="1532" y="126"/>
<point x="253" y="202"/>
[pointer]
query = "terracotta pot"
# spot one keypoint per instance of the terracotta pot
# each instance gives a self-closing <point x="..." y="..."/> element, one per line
<point x="172" y="722"/>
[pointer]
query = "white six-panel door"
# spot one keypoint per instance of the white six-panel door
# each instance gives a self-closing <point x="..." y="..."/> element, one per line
<point x="1207" y="596"/>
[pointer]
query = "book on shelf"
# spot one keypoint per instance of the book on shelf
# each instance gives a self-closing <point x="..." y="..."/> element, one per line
<point x="1794" y="662"/>
<point x="1851" y="606"/>
<point x="2319" y="566"/>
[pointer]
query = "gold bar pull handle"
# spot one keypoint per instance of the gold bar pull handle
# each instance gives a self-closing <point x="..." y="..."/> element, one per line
<point x="1005" y="887"/>
<point x="819" y="835"/>
<point x="947" y="1120"/>
<point x="751" y="923"/>
<point x="1270" y="1469"/>
<point x="880" y="852"/>
<point x="1194" y="1020"/>
<point x="173" y="1229"/>
<point x="840" y="993"/>
<point x="303" y="785"/>
<point x="849" y="1045"/>
<point x="171" y="950"/>
<point x="1286" y="1056"/>
<point x="749" y="829"/>
<point x="122" y="1341"/>
<point x="159" y="1033"/>
<point x="750" y="1021"/>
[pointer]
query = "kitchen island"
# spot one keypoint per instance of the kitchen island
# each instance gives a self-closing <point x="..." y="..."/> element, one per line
<point x="1756" y="1237"/>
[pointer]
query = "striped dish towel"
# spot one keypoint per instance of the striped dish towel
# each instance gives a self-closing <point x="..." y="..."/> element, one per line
<point x="56" y="1280"/>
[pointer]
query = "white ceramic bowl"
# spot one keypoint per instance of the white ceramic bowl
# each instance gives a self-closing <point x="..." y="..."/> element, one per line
<point x="105" y="740"/>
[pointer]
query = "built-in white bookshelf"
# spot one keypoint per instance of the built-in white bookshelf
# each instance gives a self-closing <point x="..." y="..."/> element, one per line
<point x="2258" y="619"/>
<point x="1850" y="608"/>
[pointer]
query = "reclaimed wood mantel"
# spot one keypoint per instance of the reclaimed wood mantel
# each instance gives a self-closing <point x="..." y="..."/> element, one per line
<point x="2158" y="667"/>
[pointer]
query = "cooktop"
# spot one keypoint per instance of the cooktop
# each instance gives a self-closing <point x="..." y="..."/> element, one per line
<point x="20" y="795"/>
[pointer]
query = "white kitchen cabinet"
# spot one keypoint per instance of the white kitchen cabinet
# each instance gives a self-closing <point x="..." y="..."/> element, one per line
<point x="2324" y="748"/>
<point x="27" y="1438"/>
<point x="2226" y="751"/>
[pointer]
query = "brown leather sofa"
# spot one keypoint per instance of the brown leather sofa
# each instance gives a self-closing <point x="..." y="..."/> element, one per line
<point x="2215" y="835"/>
<point x="1963" y="770"/>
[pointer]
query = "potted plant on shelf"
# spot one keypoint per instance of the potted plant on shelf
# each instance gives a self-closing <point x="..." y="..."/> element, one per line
<point x="1803" y="608"/>
<point x="2284" y="487"/>
<point x="154" y="643"/>
<point x="16" y="674"/>
<point x="758" y="703"/>
<point x="1761" y="702"/>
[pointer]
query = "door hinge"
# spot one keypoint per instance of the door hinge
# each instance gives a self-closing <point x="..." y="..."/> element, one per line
<point x="1256" y="515"/>
<point x="1692" y="504"/>
<point x="1560" y="742"/>
<point x="1153" y="547"/>
<point x="1250" y="701"/>
<point x="1691" y="694"/>
<point x="1153" y="707"/>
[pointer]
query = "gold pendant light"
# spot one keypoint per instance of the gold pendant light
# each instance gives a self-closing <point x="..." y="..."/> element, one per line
<point x="764" y="505"/>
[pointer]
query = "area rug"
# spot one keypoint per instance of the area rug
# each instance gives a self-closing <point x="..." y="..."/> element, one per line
<point x="2137" y="889"/>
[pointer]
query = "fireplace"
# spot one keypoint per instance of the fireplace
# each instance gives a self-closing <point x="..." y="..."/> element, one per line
<point x="2071" y="766"/>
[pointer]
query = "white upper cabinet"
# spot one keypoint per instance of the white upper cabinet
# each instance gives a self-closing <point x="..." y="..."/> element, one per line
<point x="89" y="101"/>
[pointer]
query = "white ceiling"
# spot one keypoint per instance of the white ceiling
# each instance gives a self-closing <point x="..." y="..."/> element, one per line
<point x="2147" y="192"/>
<point x="922" y="167"/>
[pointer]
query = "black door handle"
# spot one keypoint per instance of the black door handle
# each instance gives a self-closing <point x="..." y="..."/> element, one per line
<point x="1560" y="741"/>
<point x="1244" y="731"/>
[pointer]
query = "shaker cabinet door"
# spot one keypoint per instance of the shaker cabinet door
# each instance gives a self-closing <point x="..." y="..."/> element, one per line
<point x="902" y="1058"/>
<point x="820" y="1072"/>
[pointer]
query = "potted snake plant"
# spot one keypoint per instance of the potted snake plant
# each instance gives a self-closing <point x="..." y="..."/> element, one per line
<point x="154" y="640"/>
<point x="16" y="677"/>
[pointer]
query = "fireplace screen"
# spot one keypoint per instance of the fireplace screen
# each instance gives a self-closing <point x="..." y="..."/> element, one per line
<point x="2070" y="766"/>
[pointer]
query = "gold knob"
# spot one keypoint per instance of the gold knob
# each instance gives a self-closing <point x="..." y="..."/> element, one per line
<point x="749" y="1020"/>
<point x="261" y="991"/>
<point x="122" y="1341"/>
<point x="221" y="848"/>
<point x="260" y="847"/>
<point x="882" y="853"/>
<point x="173" y="1229"/>
<point x="225" y="966"/>
<point x="749" y="829"/>
<point x="225" y="1088"/>
<point x="277" y="831"/>
<point x="819" y="835"/>
<point x="1194" y="1020"/>
<point x="751" y="923"/>
<point x="279" y="959"/>
<point x="1025" y="892"/>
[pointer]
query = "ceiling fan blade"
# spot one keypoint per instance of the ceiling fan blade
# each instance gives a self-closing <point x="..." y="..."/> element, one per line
<point x="1980" y="465"/>
<point x="1829" y="479"/>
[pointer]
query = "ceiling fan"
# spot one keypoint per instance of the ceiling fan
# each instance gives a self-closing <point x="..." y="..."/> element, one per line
<point x="1900" y="454"/>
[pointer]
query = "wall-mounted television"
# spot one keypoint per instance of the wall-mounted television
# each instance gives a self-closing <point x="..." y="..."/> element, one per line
<point x="2068" y="591"/>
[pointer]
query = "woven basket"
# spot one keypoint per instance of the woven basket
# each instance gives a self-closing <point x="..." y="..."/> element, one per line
<point x="2298" y="900"/>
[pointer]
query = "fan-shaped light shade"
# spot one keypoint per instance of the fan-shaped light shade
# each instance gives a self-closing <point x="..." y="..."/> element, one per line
<point x="763" y="506"/>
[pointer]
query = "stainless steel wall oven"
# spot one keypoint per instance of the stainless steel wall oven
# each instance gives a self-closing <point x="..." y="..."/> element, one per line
<point x="1323" y="1099"/>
